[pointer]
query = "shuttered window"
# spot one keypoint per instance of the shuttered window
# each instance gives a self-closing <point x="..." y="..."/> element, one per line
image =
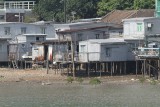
<point x="139" y="27"/>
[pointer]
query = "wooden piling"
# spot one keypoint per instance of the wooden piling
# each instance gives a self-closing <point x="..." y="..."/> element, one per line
<point x="136" y="67"/>
<point x="125" y="68"/>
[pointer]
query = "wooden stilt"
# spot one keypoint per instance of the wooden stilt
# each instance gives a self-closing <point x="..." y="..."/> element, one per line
<point x="47" y="65"/>
<point x="96" y="68"/>
<point x="144" y="72"/>
<point x="120" y="68"/>
<point x="89" y="69"/>
<point x="142" y="68"/>
<point x="86" y="66"/>
<point x="136" y="67"/>
<point x="100" y="69"/>
<point x="158" y="69"/>
<point x="116" y="68"/>
<point x="111" y="68"/>
<point x="105" y="67"/>
<point x="25" y="64"/>
<point x="125" y="68"/>
<point x="149" y="69"/>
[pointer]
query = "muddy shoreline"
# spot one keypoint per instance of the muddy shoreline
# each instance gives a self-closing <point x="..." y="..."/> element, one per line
<point x="40" y="76"/>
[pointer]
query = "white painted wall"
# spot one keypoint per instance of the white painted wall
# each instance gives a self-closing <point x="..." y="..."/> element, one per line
<point x="130" y="27"/>
<point x="97" y="52"/>
<point x="31" y="28"/>
<point x="37" y="51"/>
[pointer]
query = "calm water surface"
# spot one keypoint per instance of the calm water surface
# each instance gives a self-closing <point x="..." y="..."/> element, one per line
<point x="24" y="94"/>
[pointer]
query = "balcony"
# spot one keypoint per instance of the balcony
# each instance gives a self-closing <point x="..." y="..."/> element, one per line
<point x="148" y="52"/>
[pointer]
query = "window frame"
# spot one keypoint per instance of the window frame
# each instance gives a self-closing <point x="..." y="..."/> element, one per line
<point x="43" y="30"/>
<point x="108" y="52"/>
<point x="139" y="27"/>
<point x="97" y="36"/>
<point x="7" y="30"/>
<point x="23" y="30"/>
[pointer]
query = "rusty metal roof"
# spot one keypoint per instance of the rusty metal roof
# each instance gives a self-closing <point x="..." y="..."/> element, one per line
<point x="116" y="16"/>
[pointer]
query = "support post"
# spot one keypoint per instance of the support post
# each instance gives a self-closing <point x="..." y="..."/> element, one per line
<point x="111" y="68"/>
<point x="73" y="63"/>
<point x="47" y="65"/>
<point x="136" y="67"/>
<point x="125" y="68"/>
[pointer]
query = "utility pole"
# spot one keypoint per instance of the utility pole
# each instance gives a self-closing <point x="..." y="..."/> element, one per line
<point x="73" y="63"/>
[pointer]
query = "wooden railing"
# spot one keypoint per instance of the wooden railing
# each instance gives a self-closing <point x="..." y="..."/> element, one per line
<point x="149" y="52"/>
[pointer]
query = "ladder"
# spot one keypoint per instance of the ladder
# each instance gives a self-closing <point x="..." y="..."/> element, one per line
<point x="14" y="63"/>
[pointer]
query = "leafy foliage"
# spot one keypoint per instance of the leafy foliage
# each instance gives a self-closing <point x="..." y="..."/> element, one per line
<point x="70" y="79"/>
<point x="80" y="80"/>
<point x="54" y="9"/>
<point x="144" y="4"/>
<point x="94" y="81"/>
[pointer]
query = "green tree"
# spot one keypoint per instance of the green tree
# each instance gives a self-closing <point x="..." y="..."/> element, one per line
<point x="144" y="4"/>
<point x="83" y="8"/>
<point x="49" y="9"/>
<point x="105" y="6"/>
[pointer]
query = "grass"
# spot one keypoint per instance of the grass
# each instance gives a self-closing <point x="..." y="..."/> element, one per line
<point x="94" y="81"/>
<point x="80" y="80"/>
<point x="70" y="79"/>
<point x="153" y="82"/>
<point x="142" y="79"/>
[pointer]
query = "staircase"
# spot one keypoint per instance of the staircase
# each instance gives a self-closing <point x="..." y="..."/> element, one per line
<point x="14" y="63"/>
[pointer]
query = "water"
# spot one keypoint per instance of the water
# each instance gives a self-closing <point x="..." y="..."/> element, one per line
<point x="25" y="94"/>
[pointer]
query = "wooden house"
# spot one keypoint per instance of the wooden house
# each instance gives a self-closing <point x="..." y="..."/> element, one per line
<point x="57" y="51"/>
<point x="22" y="34"/>
<point x="103" y="50"/>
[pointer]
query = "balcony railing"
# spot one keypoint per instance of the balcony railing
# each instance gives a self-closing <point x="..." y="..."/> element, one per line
<point x="149" y="52"/>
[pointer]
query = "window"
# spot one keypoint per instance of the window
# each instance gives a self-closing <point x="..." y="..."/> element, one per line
<point x="37" y="38"/>
<point x="139" y="27"/>
<point x="83" y="48"/>
<point x="149" y="26"/>
<point x="1" y="17"/>
<point x="1" y="48"/>
<point x="7" y="30"/>
<point x="23" y="30"/>
<point x="79" y="37"/>
<point x="43" y="30"/>
<point x="97" y="36"/>
<point x="108" y="52"/>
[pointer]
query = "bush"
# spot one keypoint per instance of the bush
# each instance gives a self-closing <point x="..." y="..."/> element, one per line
<point x="70" y="79"/>
<point x="80" y="80"/>
<point x="142" y="79"/>
<point x="153" y="82"/>
<point x="95" y="81"/>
